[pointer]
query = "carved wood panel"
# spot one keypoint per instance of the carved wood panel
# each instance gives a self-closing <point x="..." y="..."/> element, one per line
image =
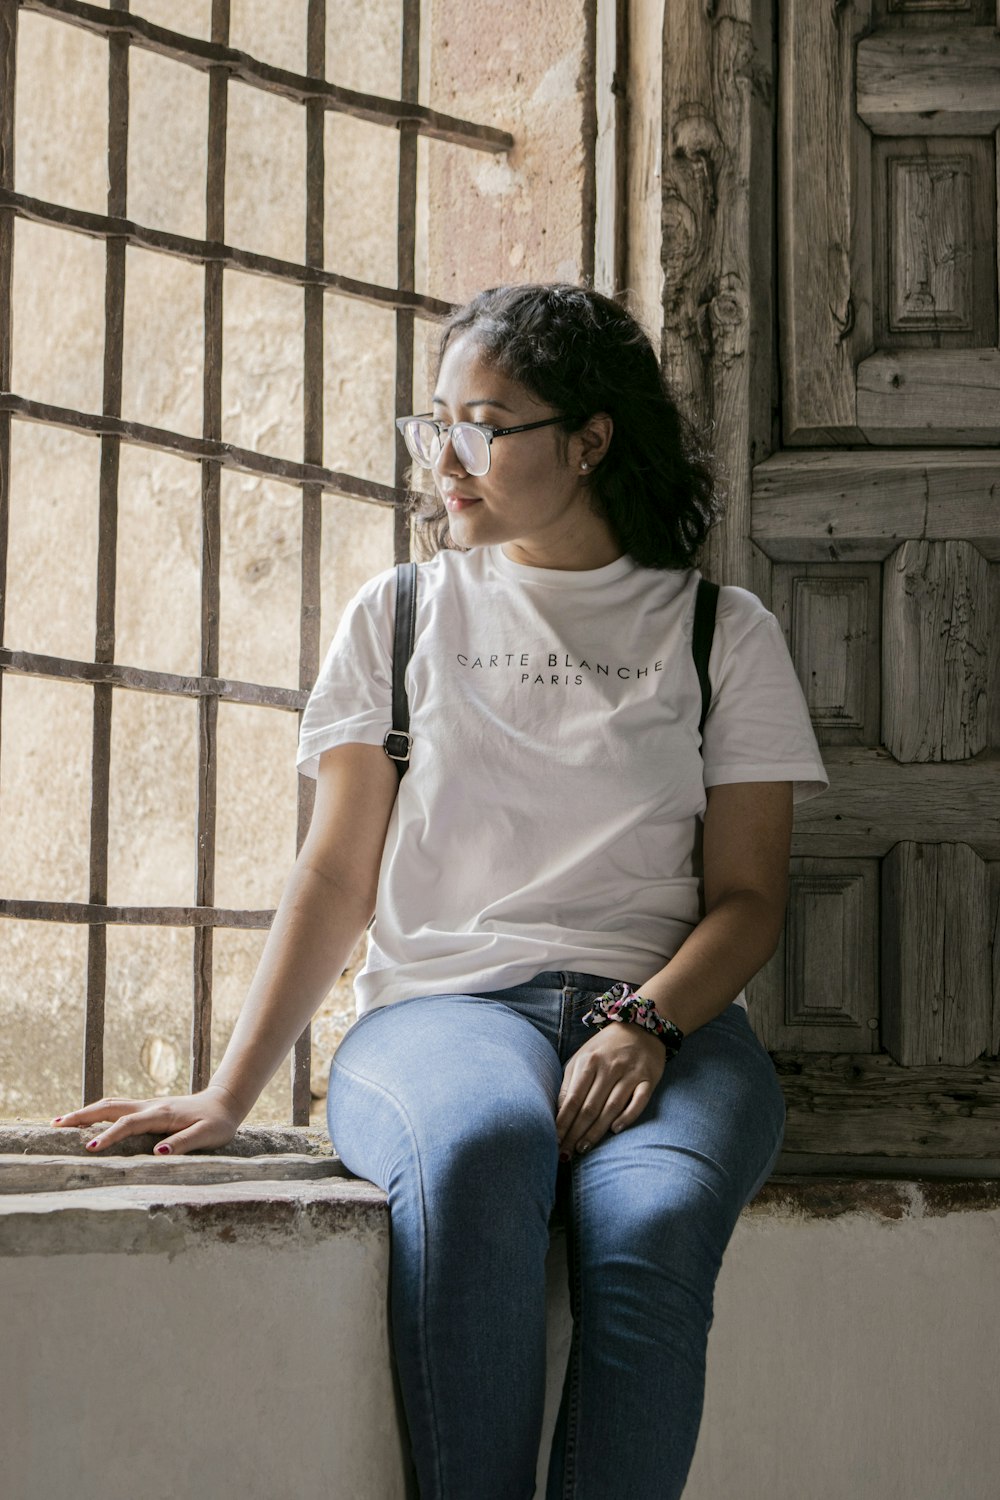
<point x="824" y="220"/>
<point x="937" y="977"/>
<point x="819" y="993"/>
<point x="838" y="506"/>
<point x="935" y="650"/>
<point x="887" y="215"/>
<point x="831" y="618"/>
<point x="880" y="515"/>
<point x="933" y="241"/>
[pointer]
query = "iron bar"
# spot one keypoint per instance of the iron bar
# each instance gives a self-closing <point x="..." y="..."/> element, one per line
<point x="297" y="87"/>
<point x="8" y="70"/>
<point x="107" y="568"/>
<point x="99" y="913"/>
<point x="312" y="452"/>
<point x="141" y="679"/>
<point x="211" y="477"/>
<point x="406" y="244"/>
<point x="244" y="460"/>
<point x="100" y="226"/>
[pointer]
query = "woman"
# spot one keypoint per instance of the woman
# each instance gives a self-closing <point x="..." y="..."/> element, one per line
<point x="561" y="830"/>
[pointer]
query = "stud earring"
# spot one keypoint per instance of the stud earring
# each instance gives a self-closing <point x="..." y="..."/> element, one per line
<point x="584" y="466"/>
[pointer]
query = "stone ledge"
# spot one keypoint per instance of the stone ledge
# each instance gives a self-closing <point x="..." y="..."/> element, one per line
<point x="280" y="1183"/>
<point x="40" y="1138"/>
<point x="33" y="1173"/>
<point x="138" y="1206"/>
<point x="170" y="1218"/>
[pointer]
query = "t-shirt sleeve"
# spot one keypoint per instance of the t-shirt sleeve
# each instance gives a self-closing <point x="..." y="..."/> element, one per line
<point x="351" y="701"/>
<point x="758" y="726"/>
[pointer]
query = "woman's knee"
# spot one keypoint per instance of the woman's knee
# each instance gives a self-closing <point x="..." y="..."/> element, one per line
<point x="457" y="1131"/>
<point x="672" y="1223"/>
<point x="496" y="1156"/>
<point x="489" y="1166"/>
<point x="504" y="1134"/>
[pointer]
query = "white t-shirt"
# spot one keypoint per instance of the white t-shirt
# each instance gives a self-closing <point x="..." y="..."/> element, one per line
<point x="551" y="814"/>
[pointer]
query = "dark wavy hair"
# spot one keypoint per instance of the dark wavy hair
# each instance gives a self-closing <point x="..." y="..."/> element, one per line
<point x="583" y="353"/>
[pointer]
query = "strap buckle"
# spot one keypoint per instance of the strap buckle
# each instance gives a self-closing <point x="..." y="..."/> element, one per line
<point x="397" y="744"/>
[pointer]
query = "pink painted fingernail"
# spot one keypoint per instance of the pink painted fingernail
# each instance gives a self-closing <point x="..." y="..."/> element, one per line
<point x="90" y="1144"/>
<point x="564" y="1156"/>
<point x="57" y="1119"/>
<point x="162" y="1148"/>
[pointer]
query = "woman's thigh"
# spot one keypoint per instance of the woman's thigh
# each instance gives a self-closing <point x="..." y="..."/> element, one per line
<point x="428" y="1083"/>
<point x="705" y="1144"/>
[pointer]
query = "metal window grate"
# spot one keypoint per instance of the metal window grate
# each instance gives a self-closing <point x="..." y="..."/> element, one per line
<point x="122" y="31"/>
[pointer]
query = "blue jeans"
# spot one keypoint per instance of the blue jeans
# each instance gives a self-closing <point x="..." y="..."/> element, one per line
<point x="448" y="1103"/>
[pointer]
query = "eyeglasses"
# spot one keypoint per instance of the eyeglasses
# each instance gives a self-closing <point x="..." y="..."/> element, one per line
<point x="425" y="438"/>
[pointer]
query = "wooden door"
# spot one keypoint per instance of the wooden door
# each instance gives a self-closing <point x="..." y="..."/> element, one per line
<point x="880" y="514"/>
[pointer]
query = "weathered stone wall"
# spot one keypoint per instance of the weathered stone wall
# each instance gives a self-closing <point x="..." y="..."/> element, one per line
<point x="838" y="1309"/>
<point x="482" y="219"/>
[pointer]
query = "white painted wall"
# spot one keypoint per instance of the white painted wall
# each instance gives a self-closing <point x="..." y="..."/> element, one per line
<point x="853" y="1358"/>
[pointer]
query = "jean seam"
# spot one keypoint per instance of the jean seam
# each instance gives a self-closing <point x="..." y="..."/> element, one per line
<point x="559" y="1033"/>
<point x="581" y="1000"/>
<point x="425" y="1361"/>
<point x="576" y="1344"/>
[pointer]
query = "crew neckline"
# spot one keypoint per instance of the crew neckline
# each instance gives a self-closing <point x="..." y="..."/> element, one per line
<point x="561" y="578"/>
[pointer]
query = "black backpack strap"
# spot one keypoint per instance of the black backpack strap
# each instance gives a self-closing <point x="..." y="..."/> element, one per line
<point x="398" y="739"/>
<point x="701" y="640"/>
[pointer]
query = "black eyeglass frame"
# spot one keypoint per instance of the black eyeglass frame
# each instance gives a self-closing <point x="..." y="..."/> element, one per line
<point x="488" y="431"/>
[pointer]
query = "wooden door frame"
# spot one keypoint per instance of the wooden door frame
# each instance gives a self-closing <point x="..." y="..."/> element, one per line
<point x="707" y="269"/>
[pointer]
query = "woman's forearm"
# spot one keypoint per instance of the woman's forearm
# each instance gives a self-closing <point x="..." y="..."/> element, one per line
<point x="729" y="945"/>
<point x="313" y="934"/>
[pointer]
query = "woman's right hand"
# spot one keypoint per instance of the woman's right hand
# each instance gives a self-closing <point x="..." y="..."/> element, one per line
<point x="188" y="1122"/>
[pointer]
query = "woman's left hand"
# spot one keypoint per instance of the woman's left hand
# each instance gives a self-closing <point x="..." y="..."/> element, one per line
<point x="607" y="1082"/>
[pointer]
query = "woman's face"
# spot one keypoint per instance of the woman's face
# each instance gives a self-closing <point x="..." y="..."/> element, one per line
<point x="533" y="500"/>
